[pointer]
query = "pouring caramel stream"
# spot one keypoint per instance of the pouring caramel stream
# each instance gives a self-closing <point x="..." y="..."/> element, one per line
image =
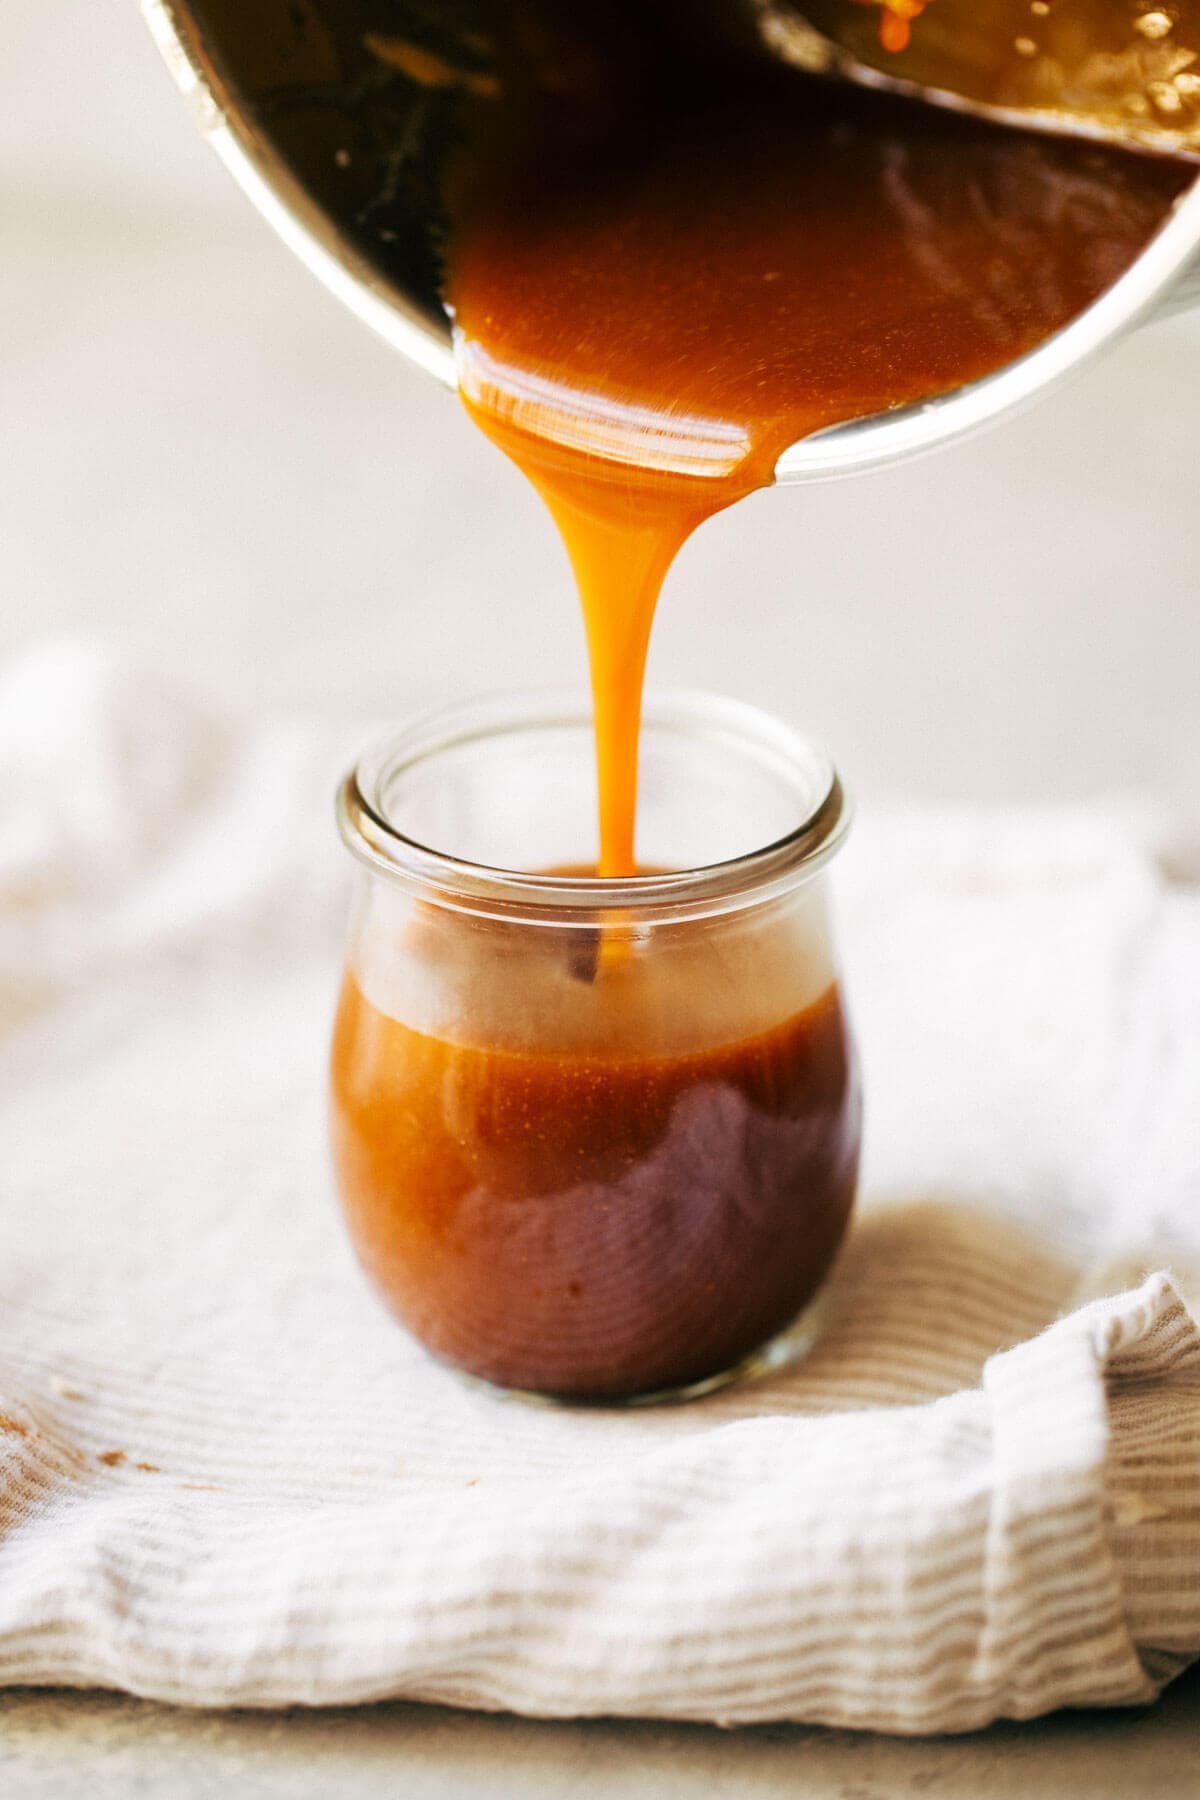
<point x="663" y="275"/>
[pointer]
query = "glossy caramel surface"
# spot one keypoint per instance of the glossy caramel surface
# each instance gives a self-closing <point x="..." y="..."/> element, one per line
<point x="665" y="272"/>
<point x="595" y="1225"/>
<point x="662" y="275"/>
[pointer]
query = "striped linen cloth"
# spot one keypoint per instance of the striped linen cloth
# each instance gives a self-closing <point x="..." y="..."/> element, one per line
<point x="227" y="1479"/>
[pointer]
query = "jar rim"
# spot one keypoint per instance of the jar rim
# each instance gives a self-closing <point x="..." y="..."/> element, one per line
<point x="758" y="875"/>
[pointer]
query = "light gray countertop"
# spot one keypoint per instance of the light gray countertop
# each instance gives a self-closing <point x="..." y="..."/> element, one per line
<point x="207" y="463"/>
<point x="102" y="1747"/>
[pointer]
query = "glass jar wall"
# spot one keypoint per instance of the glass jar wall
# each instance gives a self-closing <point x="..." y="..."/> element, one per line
<point x="595" y="1139"/>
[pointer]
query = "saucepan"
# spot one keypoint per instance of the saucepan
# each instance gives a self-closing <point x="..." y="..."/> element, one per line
<point x="336" y="117"/>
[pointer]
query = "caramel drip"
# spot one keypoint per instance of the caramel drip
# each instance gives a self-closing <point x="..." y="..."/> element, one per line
<point x="663" y="276"/>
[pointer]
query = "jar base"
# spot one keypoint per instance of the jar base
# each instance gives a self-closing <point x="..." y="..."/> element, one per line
<point x="787" y="1348"/>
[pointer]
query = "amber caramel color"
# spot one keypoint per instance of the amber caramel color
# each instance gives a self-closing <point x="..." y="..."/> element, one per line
<point x="663" y="274"/>
<point x="595" y="1226"/>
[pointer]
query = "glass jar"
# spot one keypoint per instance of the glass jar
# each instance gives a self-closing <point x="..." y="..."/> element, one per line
<point x="595" y="1139"/>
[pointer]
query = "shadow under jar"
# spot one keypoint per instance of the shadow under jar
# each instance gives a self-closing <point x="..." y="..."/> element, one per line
<point x="595" y="1139"/>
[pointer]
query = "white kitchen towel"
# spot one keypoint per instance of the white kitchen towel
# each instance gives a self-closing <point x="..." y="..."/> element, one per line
<point x="227" y="1478"/>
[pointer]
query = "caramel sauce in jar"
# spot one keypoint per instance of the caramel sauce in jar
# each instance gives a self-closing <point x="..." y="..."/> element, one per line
<point x="595" y="1225"/>
<point x="599" y="1141"/>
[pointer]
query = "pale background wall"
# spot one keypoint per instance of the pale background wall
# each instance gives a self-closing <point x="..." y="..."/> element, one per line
<point x="205" y="460"/>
